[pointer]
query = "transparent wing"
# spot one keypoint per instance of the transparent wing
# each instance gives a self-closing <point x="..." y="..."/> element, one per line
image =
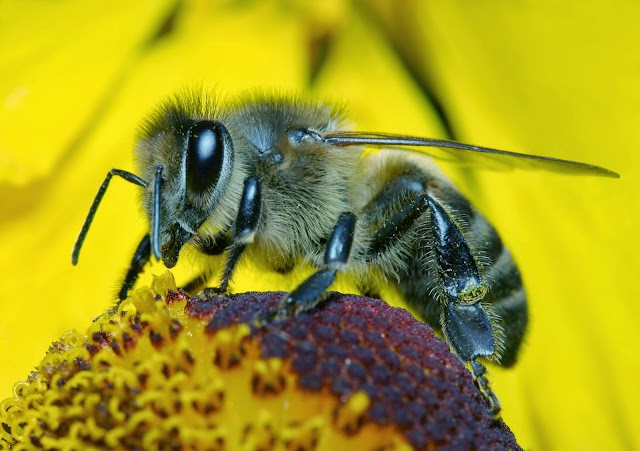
<point x="465" y="153"/>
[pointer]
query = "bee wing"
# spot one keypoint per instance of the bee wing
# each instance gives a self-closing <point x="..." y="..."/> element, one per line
<point x="466" y="153"/>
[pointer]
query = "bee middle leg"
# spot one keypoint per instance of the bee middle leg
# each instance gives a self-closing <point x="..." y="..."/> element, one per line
<point x="310" y="292"/>
<point x="244" y="231"/>
<point x="140" y="258"/>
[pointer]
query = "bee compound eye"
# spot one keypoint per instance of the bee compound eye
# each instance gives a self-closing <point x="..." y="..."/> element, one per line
<point x="206" y="147"/>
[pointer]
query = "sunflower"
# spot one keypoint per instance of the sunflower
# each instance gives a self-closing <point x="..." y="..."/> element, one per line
<point x="547" y="78"/>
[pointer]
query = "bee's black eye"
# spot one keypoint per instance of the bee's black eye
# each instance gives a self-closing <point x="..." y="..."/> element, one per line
<point x="208" y="141"/>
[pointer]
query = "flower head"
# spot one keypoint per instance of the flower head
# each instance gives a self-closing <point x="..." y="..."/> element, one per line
<point x="165" y="371"/>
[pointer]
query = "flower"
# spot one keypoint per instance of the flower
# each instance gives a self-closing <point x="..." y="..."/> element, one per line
<point x="164" y="371"/>
<point x="546" y="78"/>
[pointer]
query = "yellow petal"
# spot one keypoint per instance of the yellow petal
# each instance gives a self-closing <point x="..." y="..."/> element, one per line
<point x="60" y="62"/>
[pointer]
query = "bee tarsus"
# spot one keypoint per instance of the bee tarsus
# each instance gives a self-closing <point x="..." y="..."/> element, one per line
<point x="479" y="371"/>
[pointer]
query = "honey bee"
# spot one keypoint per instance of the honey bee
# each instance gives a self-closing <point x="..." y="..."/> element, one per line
<point x="279" y="178"/>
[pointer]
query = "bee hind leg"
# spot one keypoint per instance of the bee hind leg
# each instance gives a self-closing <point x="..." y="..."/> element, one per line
<point x="310" y="292"/>
<point x="478" y="371"/>
<point x="468" y="330"/>
<point x="466" y="321"/>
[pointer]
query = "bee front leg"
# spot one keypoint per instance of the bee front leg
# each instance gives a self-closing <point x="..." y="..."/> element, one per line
<point x="140" y="258"/>
<point x="244" y="230"/>
<point x="212" y="246"/>
<point x="309" y="294"/>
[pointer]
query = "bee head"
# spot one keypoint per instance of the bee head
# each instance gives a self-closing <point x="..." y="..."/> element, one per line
<point x="188" y="164"/>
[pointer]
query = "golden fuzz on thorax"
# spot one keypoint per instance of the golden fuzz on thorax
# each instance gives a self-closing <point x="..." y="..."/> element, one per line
<point x="165" y="371"/>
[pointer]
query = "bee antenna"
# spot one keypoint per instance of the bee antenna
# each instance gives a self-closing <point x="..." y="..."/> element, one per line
<point x="129" y="177"/>
<point x="155" y="220"/>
